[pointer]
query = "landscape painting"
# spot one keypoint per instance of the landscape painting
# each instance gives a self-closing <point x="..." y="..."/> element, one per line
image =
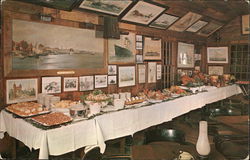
<point x="122" y="50"/>
<point x="143" y="13"/>
<point x="114" y="7"/>
<point x="164" y="21"/>
<point x="126" y="76"/>
<point x="152" y="49"/>
<point x="38" y="46"/>
<point x="21" y="90"/>
<point x="86" y="83"/>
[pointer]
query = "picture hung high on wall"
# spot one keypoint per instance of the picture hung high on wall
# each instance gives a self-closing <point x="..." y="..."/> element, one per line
<point x="122" y="50"/>
<point x="86" y="83"/>
<point x="152" y="49"/>
<point x="217" y="54"/>
<point x="151" y="72"/>
<point x="185" y="57"/>
<point x="51" y="84"/>
<point x="245" y="24"/>
<point x="143" y="13"/>
<point x="164" y="21"/>
<point x="186" y="21"/>
<point x="70" y="84"/>
<point x="113" y="7"/>
<point x="197" y="26"/>
<point x="111" y="79"/>
<point x="141" y="73"/>
<point x="21" y="90"/>
<point x="112" y="69"/>
<point x="39" y="46"/>
<point x="210" y="28"/>
<point x="126" y="76"/>
<point x="101" y="81"/>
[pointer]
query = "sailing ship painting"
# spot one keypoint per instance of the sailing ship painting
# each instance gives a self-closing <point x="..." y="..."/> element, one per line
<point x="152" y="49"/>
<point x="122" y="50"/>
<point x="126" y="76"/>
<point x="37" y="46"/>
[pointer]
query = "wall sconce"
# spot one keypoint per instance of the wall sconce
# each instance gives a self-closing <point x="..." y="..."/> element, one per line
<point x="203" y="145"/>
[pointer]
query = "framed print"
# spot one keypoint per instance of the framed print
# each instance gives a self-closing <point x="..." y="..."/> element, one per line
<point x="217" y="54"/>
<point x="186" y="21"/>
<point x="86" y="83"/>
<point x="138" y="38"/>
<point x="164" y="21"/>
<point x="185" y="57"/>
<point x="101" y="81"/>
<point x="210" y="28"/>
<point x="139" y="58"/>
<point x="70" y="84"/>
<point x="51" y="85"/>
<point x="111" y="79"/>
<point x="122" y="50"/>
<point x="158" y="71"/>
<point x="113" y="7"/>
<point x="141" y="73"/>
<point x="152" y="49"/>
<point x="143" y="13"/>
<point x="139" y="45"/>
<point x="245" y="24"/>
<point x="151" y="72"/>
<point x="126" y="76"/>
<point x="197" y="26"/>
<point x="21" y="90"/>
<point x="215" y="70"/>
<point x="112" y="69"/>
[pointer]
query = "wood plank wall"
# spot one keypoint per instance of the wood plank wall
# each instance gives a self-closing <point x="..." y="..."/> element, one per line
<point x="12" y="8"/>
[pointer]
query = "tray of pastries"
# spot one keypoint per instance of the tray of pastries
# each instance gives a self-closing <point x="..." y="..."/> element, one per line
<point x="134" y="100"/>
<point x="27" y="109"/>
<point x="52" y="119"/>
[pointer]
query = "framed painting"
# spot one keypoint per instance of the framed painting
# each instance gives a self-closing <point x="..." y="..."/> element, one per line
<point x="151" y="72"/>
<point x="21" y="90"/>
<point x="141" y="73"/>
<point x="152" y="49"/>
<point x="112" y="69"/>
<point x="70" y="84"/>
<point x="164" y="21"/>
<point x="139" y="58"/>
<point x="245" y="24"/>
<point x="86" y="83"/>
<point x="217" y="54"/>
<point x="111" y="79"/>
<point x="197" y="26"/>
<point x="158" y="71"/>
<point x="114" y="7"/>
<point x="67" y="5"/>
<point x="51" y="85"/>
<point x="185" y="57"/>
<point x="101" y="81"/>
<point x="139" y="38"/>
<point x="123" y="50"/>
<point x="209" y="29"/>
<point x="143" y="13"/>
<point x="186" y="21"/>
<point x="126" y="76"/>
<point x="215" y="70"/>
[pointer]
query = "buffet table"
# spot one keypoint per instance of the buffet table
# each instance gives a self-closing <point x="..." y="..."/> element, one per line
<point x="107" y="126"/>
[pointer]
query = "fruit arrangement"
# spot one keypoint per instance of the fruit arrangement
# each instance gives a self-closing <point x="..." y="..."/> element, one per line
<point x="177" y="90"/>
<point x="156" y="95"/>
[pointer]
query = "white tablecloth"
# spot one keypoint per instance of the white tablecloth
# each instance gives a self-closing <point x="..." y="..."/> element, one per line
<point x="107" y="126"/>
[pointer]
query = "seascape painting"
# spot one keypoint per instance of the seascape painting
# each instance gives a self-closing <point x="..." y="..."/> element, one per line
<point x="86" y="83"/>
<point x="164" y="21"/>
<point x="126" y="76"/>
<point x="186" y="21"/>
<point x="209" y="29"/>
<point x="21" y="90"/>
<point x="217" y="54"/>
<point x="101" y="81"/>
<point x="197" y="26"/>
<point x="111" y="79"/>
<point x="38" y="46"/>
<point x="122" y="50"/>
<point x="152" y="49"/>
<point x="114" y="7"/>
<point x="143" y="13"/>
<point x="51" y="85"/>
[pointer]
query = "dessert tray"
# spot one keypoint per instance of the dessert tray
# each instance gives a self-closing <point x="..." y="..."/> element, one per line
<point x="52" y="119"/>
<point x="27" y="109"/>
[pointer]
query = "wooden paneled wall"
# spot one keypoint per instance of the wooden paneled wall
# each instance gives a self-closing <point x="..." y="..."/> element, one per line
<point x="74" y="18"/>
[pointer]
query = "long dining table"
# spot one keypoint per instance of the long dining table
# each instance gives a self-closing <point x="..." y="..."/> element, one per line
<point x="108" y="125"/>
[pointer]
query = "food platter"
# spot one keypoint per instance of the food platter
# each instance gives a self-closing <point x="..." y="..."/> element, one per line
<point x="52" y="119"/>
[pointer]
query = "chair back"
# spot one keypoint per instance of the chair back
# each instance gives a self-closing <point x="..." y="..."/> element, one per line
<point x="93" y="154"/>
<point x="158" y="135"/>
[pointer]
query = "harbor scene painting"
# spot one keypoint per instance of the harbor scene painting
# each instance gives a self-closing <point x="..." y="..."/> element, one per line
<point x="122" y="50"/>
<point x="38" y="46"/>
<point x="152" y="49"/>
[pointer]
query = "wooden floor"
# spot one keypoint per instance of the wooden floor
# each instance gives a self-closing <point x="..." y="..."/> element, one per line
<point x="187" y="123"/>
